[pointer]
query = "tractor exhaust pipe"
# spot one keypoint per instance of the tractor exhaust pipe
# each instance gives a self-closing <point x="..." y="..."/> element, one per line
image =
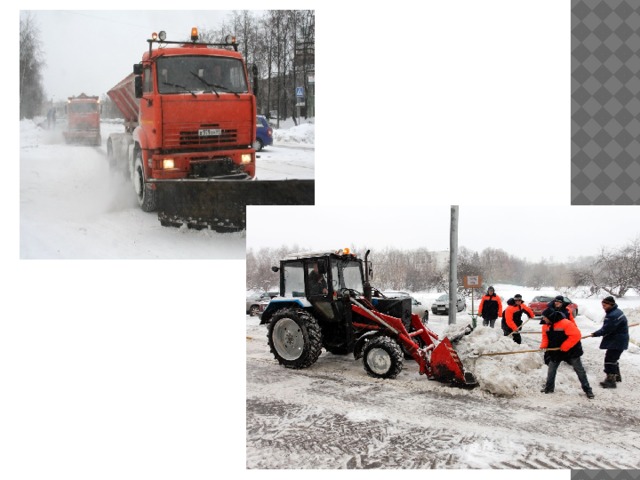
<point x="367" y="284"/>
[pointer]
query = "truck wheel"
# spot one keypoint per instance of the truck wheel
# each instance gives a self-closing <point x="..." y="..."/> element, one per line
<point x="295" y="338"/>
<point x="146" y="195"/>
<point x="382" y="358"/>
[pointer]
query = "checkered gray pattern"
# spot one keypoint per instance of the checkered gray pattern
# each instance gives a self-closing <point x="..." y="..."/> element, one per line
<point x="605" y="474"/>
<point x="605" y="102"/>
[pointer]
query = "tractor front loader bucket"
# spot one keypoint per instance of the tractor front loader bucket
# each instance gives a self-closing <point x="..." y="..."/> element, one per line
<point x="446" y="366"/>
<point x="221" y="204"/>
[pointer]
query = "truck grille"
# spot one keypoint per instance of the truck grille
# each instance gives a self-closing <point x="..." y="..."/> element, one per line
<point x="191" y="138"/>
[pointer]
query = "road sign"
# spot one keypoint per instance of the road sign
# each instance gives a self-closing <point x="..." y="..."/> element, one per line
<point x="472" y="281"/>
<point x="299" y="91"/>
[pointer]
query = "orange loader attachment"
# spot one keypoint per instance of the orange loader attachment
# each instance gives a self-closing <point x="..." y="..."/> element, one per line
<point x="437" y="359"/>
<point x="445" y="363"/>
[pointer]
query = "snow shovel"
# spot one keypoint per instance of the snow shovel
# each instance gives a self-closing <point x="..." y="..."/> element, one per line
<point x="518" y="351"/>
<point x="528" y="351"/>
<point x="520" y="327"/>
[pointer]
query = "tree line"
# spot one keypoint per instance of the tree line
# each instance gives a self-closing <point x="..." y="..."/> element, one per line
<point x="615" y="271"/>
<point x="280" y="43"/>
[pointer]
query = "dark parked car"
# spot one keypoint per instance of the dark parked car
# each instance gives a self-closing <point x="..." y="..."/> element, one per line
<point x="256" y="303"/>
<point x="264" y="133"/>
<point x="539" y="303"/>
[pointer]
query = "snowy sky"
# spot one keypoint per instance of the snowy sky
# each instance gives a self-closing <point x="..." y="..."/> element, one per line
<point x="554" y="233"/>
<point x="116" y="38"/>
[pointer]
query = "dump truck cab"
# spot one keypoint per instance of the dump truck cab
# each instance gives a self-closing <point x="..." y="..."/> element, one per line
<point x="189" y="116"/>
<point x="83" y="120"/>
<point x="197" y="115"/>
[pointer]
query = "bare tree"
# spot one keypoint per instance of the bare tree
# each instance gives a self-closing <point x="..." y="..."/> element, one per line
<point x="32" y="94"/>
<point x="281" y="44"/>
<point x="616" y="271"/>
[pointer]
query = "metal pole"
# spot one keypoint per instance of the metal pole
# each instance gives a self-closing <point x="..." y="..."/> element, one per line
<point x="453" y="266"/>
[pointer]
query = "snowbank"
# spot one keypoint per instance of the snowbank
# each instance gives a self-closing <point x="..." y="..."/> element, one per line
<point x="289" y="133"/>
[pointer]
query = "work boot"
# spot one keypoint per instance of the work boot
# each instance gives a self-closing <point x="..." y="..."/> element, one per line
<point x="546" y="390"/>
<point x="610" y="381"/>
<point x="589" y="393"/>
<point x="618" y="377"/>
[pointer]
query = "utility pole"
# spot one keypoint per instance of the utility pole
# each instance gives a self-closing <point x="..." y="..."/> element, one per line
<point x="453" y="266"/>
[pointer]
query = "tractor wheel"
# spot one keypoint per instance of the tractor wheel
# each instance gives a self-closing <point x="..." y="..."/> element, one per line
<point x="383" y="358"/>
<point x="146" y="195"/>
<point x="295" y="338"/>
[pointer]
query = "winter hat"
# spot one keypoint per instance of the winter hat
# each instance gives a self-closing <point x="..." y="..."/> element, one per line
<point x="517" y="296"/>
<point x="547" y="311"/>
<point x="491" y="288"/>
<point x="609" y="300"/>
<point x="559" y="298"/>
<point x="555" y="316"/>
<point x="511" y="302"/>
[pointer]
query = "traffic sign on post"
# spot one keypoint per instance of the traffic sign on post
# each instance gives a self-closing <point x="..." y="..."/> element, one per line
<point x="473" y="281"/>
<point x="299" y="91"/>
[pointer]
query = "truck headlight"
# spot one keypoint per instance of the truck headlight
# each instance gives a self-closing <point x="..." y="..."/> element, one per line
<point x="246" y="158"/>
<point x="168" y="163"/>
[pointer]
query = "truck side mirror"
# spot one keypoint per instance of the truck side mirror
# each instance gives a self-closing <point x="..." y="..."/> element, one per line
<point x="275" y="269"/>
<point x="137" y="69"/>
<point x="138" y="86"/>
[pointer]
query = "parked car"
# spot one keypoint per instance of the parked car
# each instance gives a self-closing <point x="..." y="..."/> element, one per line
<point x="416" y="307"/>
<point x="440" y="305"/>
<point x="540" y="302"/>
<point x="257" y="302"/>
<point x="264" y="133"/>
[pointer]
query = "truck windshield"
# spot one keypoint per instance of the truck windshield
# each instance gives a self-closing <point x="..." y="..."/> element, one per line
<point x="202" y="73"/>
<point x="349" y="274"/>
<point x="294" y="279"/>
<point x="82" y="107"/>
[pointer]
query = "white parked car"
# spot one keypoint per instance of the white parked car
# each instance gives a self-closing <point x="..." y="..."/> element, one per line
<point x="441" y="304"/>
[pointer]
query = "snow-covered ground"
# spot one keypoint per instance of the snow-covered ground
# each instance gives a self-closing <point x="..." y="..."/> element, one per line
<point x="332" y="415"/>
<point x="73" y="206"/>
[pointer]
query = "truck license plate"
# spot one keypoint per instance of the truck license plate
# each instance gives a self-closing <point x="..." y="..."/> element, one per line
<point x="209" y="132"/>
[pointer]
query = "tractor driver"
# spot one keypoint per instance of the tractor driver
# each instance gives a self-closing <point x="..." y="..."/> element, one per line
<point x="317" y="282"/>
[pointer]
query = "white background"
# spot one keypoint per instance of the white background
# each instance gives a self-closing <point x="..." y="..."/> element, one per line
<point x="135" y="369"/>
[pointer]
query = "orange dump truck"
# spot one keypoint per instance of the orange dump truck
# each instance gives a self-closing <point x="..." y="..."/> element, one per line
<point x="190" y="124"/>
<point x="83" y="120"/>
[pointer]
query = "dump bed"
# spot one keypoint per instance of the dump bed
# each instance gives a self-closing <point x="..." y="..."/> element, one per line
<point x="123" y="95"/>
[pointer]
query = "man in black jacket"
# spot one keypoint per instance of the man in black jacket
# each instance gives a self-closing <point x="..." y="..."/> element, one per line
<point x="615" y="340"/>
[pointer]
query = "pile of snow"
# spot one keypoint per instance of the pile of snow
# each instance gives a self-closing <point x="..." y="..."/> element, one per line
<point x="524" y="374"/>
<point x="289" y="133"/>
<point x="502" y="375"/>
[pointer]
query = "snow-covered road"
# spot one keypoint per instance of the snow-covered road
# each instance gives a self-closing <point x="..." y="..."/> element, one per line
<point x="332" y="415"/>
<point x="73" y="206"/>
